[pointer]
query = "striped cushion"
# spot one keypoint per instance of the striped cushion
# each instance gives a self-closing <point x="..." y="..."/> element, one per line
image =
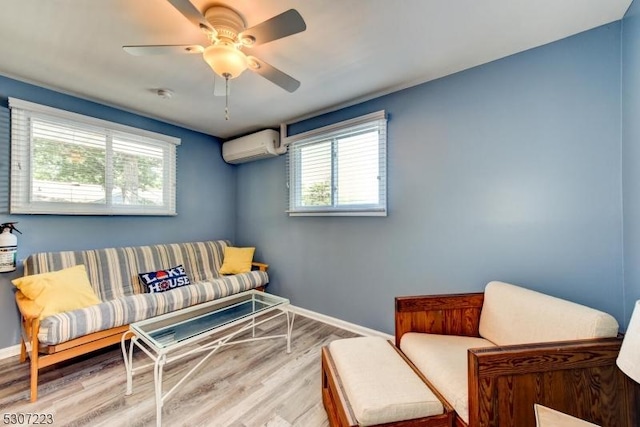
<point x="132" y="308"/>
<point x="113" y="272"/>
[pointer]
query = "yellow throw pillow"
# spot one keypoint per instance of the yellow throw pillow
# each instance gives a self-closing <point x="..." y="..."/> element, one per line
<point x="58" y="291"/>
<point x="237" y="260"/>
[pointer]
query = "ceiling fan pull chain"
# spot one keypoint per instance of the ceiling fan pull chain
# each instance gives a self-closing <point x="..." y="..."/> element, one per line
<point x="226" y="107"/>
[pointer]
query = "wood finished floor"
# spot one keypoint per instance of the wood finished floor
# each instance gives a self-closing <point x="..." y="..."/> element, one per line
<point x="249" y="384"/>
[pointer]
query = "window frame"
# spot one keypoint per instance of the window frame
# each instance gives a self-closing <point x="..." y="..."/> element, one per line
<point x="22" y="173"/>
<point x="332" y="133"/>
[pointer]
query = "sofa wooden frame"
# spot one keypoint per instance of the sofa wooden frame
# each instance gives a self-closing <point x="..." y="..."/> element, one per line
<point x="579" y="378"/>
<point x="42" y="355"/>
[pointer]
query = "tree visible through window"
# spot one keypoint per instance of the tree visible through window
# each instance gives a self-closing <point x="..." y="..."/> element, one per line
<point x="317" y="194"/>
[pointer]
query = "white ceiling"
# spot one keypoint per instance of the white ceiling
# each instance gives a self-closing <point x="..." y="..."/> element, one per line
<point x="352" y="50"/>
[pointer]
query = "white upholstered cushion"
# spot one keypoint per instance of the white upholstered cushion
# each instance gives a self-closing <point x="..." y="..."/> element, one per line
<point x="514" y="315"/>
<point x="380" y="386"/>
<point x="442" y="359"/>
<point x="547" y="417"/>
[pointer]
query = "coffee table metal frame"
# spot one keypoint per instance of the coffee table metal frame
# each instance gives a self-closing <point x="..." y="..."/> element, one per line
<point x="153" y="336"/>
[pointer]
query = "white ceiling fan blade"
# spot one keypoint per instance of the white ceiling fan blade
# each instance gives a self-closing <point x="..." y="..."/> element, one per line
<point x="283" y="25"/>
<point x="272" y="74"/>
<point x="193" y="14"/>
<point x="163" y="49"/>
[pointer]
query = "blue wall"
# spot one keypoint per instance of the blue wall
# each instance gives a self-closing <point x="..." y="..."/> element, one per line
<point x="509" y="171"/>
<point x="513" y="171"/>
<point x="205" y="199"/>
<point x="631" y="153"/>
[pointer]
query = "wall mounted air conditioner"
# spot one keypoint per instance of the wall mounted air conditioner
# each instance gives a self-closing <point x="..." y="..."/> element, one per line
<point x="256" y="146"/>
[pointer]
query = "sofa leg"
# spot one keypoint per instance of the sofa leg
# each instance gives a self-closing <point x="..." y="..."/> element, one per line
<point x="34" y="380"/>
<point x="23" y="351"/>
<point x="34" y="360"/>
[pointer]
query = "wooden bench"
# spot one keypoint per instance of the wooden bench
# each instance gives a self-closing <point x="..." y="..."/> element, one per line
<point x="366" y="381"/>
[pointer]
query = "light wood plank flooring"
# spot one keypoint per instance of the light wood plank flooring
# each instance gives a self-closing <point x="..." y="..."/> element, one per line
<point x="249" y="384"/>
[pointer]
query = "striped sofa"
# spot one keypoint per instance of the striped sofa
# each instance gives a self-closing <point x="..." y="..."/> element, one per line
<point x="113" y="273"/>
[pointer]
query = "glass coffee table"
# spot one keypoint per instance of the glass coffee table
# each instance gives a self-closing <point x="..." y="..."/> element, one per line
<point x="168" y="337"/>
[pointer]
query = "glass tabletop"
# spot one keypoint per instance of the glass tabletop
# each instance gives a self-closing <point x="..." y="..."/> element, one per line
<point x="175" y="327"/>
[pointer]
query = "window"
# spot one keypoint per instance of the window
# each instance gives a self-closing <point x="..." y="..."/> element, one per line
<point x="67" y="163"/>
<point x="339" y="169"/>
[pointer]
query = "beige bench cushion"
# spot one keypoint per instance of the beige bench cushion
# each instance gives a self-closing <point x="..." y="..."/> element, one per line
<point x="442" y="359"/>
<point x="547" y="417"/>
<point x="379" y="384"/>
<point x="514" y="315"/>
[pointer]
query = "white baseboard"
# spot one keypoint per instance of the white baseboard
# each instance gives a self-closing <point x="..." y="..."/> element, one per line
<point x="352" y="327"/>
<point x="342" y="324"/>
<point x="8" y="352"/>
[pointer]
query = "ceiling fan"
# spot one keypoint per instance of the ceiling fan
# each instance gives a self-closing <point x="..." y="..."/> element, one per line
<point x="229" y="37"/>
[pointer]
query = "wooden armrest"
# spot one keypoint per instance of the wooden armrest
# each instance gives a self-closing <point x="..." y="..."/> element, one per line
<point x="579" y="378"/>
<point x="453" y="314"/>
<point x="544" y="357"/>
<point x="439" y="302"/>
<point x="260" y="266"/>
<point x="28" y="308"/>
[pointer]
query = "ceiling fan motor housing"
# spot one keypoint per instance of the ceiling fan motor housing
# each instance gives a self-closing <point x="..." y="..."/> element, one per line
<point x="228" y="34"/>
<point x="227" y="22"/>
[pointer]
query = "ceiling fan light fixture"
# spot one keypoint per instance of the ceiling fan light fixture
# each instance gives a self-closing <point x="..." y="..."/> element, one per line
<point x="253" y="63"/>
<point x="247" y="40"/>
<point x="226" y="60"/>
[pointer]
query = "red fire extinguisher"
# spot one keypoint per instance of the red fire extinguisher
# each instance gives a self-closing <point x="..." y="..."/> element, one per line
<point x="8" y="247"/>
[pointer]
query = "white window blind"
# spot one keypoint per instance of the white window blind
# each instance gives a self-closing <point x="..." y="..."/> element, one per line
<point x="67" y="163"/>
<point x="5" y="152"/>
<point x="340" y="169"/>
